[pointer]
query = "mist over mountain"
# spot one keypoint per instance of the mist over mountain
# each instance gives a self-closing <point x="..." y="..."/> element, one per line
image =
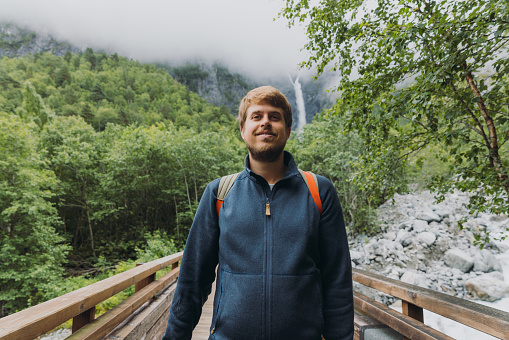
<point x="215" y="82"/>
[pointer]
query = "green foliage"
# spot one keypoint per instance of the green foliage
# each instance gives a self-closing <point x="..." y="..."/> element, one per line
<point x="157" y="245"/>
<point x="31" y="251"/>
<point x="324" y="147"/>
<point x="103" y="89"/>
<point x="414" y="74"/>
<point x="102" y="153"/>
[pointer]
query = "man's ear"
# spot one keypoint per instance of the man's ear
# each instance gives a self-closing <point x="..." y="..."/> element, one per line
<point x="288" y="131"/>
<point x="242" y="132"/>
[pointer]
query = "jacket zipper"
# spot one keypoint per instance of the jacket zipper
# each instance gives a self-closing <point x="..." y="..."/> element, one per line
<point x="268" y="267"/>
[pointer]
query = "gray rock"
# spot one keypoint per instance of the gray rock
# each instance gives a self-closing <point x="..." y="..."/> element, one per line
<point x="419" y="225"/>
<point x="485" y="261"/>
<point x="457" y="258"/>
<point x="404" y="238"/>
<point x="428" y="216"/>
<point x="356" y="256"/>
<point x="427" y="238"/>
<point x="488" y="287"/>
<point x="391" y="236"/>
<point x="442" y="212"/>
<point x="414" y="278"/>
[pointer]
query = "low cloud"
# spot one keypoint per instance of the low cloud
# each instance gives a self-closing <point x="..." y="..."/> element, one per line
<point x="239" y="33"/>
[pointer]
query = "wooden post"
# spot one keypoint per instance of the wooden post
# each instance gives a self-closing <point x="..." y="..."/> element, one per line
<point x="146" y="281"/>
<point x="412" y="311"/>
<point x="174" y="265"/>
<point x="82" y="319"/>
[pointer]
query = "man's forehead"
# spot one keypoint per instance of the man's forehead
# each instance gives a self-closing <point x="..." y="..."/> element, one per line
<point x="263" y="106"/>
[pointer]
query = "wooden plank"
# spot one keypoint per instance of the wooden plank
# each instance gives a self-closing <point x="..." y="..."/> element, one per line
<point x="202" y="329"/>
<point x="483" y="318"/>
<point x="84" y="318"/>
<point x="363" y="322"/>
<point x="412" y="311"/>
<point x="401" y="323"/>
<point x="141" y="323"/>
<point x="104" y="324"/>
<point x="34" y="321"/>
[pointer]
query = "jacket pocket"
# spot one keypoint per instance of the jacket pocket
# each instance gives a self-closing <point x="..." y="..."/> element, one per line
<point x="240" y="307"/>
<point x="297" y="307"/>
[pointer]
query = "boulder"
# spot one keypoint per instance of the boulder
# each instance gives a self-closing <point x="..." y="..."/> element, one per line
<point x="414" y="278"/>
<point x="488" y="287"/>
<point x="356" y="256"/>
<point x="404" y="238"/>
<point x="427" y="238"/>
<point x="419" y="225"/>
<point x="457" y="258"/>
<point x="428" y="216"/>
<point x="485" y="261"/>
<point x="442" y="212"/>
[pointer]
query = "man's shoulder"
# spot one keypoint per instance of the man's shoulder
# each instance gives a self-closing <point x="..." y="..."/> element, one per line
<point x="214" y="185"/>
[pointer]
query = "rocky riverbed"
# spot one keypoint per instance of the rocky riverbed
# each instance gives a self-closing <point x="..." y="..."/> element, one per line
<point x="421" y="244"/>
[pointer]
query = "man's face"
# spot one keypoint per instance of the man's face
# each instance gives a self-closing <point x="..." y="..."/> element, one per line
<point x="265" y="132"/>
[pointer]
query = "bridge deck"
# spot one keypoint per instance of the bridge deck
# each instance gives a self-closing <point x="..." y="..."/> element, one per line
<point x="202" y="330"/>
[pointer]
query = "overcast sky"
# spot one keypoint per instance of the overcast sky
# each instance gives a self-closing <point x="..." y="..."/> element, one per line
<point x="240" y="33"/>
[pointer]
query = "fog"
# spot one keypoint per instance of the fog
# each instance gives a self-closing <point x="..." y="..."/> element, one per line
<point x="241" y="34"/>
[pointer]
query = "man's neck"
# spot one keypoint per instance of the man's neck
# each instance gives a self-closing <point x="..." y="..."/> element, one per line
<point x="271" y="171"/>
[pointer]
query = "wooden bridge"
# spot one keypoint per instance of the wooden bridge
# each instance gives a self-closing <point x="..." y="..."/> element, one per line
<point x="144" y="314"/>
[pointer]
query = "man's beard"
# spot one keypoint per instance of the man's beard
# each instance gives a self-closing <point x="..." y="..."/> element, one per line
<point x="268" y="155"/>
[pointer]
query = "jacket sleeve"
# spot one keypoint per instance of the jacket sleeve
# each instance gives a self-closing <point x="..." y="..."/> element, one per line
<point x="335" y="267"/>
<point x="197" y="270"/>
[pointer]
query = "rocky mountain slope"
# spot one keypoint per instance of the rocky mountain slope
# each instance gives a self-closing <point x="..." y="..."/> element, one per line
<point x="16" y="42"/>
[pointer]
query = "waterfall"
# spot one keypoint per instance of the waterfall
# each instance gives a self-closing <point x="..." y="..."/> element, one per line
<point x="301" y="121"/>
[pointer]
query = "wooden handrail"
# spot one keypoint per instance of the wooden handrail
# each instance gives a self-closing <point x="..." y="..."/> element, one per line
<point x="37" y="320"/>
<point x="483" y="318"/>
<point x="100" y="327"/>
<point x="404" y="324"/>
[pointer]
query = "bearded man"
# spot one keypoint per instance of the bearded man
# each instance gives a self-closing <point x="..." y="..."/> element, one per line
<point x="283" y="264"/>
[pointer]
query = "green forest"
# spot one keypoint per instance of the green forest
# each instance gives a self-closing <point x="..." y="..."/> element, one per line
<point x="104" y="159"/>
<point x="99" y="154"/>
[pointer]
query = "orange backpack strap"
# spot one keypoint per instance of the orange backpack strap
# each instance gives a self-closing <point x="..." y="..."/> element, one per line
<point x="312" y="183"/>
<point x="225" y="184"/>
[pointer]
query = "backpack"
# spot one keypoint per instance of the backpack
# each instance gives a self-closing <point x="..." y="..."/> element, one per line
<point x="226" y="183"/>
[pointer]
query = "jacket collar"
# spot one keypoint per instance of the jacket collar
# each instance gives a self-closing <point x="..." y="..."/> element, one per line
<point x="291" y="167"/>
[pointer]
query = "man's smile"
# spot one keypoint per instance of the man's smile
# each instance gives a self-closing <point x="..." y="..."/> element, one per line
<point x="266" y="133"/>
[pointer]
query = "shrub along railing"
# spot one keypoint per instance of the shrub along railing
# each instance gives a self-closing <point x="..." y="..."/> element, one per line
<point x="79" y="305"/>
<point x="414" y="299"/>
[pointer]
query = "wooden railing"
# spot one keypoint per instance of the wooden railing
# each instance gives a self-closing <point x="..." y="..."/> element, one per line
<point x="414" y="299"/>
<point x="79" y="305"/>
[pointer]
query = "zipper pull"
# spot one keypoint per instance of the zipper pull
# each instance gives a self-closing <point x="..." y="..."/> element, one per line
<point x="267" y="208"/>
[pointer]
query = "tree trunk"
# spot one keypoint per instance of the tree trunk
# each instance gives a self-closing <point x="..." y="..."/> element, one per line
<point x="90" y="230"/>
<point x="494" y="154"/>
<point x="177" y="216"/>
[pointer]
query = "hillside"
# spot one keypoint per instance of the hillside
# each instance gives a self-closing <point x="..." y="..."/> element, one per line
<point x="213" y="82"/>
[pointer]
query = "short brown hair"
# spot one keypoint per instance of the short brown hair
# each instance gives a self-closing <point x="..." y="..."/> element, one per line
<point x="269" y="94"/>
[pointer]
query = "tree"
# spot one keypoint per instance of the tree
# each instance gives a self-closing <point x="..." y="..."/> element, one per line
<point x="73" y="154"/>
<point x="414" y="73"/>
<point x="31" y="251"/>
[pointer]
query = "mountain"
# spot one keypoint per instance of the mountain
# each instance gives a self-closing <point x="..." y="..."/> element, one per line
<point x="220" y="87"/>
<point x="16" y="41"/>
<point x="214" y="82"/>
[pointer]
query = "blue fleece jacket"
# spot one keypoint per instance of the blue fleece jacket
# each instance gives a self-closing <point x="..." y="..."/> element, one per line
<point x="286" y="275"/>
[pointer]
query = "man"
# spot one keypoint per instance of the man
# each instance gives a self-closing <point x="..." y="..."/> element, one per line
<point x="284" y="269"/>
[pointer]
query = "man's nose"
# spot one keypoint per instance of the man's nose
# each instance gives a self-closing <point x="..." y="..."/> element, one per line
<point x="265" y="120"/>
